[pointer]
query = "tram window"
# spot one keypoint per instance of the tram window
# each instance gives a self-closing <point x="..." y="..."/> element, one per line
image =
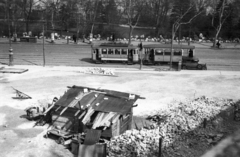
<point x="117" y="51"/>
<point x="177" y="53"/>
<point x="124" y="52"/>
<point x="110" y="51"/>
<point x="158" y="52"/>
<point x="167" y="53"/>
<point x="104" y="51"/>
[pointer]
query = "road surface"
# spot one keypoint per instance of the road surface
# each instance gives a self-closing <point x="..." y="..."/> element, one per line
<point x="80" y="55"/>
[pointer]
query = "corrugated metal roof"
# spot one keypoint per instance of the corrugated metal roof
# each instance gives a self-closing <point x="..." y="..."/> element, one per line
<point x="99" y="99"/>
<point x="68" y="97"/>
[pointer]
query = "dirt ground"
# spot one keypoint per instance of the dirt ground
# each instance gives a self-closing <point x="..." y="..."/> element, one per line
<point x="19" y="137"/>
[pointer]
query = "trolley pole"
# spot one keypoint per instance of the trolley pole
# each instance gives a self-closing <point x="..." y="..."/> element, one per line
<point x="10" y="41"/>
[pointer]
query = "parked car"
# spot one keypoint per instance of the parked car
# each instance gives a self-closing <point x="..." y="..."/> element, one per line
<point x="193" y="63"/>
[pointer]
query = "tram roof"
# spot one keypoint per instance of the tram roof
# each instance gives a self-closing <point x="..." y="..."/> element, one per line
<point x="169" y="46"/>
<point x="114" y="45"/>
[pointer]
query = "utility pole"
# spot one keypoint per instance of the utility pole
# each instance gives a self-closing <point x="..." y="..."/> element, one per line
<point x="9" y="36"/>
<point x="43" y="46"/>
<point x="140" y="52"/>
<point x="44" y="61"/>
<point x="173" y="34"/>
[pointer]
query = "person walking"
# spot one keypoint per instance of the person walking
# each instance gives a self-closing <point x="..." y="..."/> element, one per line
<point x="74" y="38"/>
<point x="218" y="44"/>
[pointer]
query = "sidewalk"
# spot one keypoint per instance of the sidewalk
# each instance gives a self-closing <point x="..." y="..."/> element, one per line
<point x="198" y="45"/>
<point x="123" y="70"/>
<point x="47" y="41"/>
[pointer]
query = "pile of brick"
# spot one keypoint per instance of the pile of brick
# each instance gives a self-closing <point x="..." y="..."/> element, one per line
<point x="181" y="128"/>
<point x="97" y="70"/>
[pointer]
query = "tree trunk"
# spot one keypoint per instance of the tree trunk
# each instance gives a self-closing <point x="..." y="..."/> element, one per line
<point x="53" y="28"/>
<point x="130" y="34"/>
<point x="92" y="28"/>
<point x="173" y="35"/>
<point x="216" y="37"/>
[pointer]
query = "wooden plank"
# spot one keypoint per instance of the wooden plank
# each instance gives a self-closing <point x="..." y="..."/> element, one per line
<point x="96" y="124"/>
<point x="77" y="113"/>
<point x="82" y="115"/>
<point x="88" y="115"/>
<point x="96" y="150"/>
<point x="12" y="70"/>
<point x="106" y="120"/>
<point x="96" y="119"/>
<point x="114" y="120"/>
<point x="92" y="137"/>
<point x="48" y="109"/>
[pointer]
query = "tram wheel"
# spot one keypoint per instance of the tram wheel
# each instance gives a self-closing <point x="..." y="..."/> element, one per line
<point x="199" y="66"/>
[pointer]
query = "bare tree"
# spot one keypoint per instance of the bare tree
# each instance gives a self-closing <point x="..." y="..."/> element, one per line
<point x="161" y="9"/>
<point x="197" y="7"/>
<point x="81" y="16"/>
<point x="132" y="10"/>
<point x="27" y="8"/>
<point x="219" y="10"/>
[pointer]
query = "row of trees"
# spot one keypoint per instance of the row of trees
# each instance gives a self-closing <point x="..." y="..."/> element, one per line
<point x="169" y="18"/>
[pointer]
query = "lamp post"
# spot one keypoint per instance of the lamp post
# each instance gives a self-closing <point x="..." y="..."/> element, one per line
<point x="44" y="61"/>
<point x="140" y="52"/>
<point x="43" y="21"/>
<point x="10" y="41"/>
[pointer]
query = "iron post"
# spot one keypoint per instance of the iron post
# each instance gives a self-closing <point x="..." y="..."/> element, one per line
<point x="44" y="60"/>
<point x="140" y="52"/>
<point x="160" y="147"/>
<point x="43" y="36"/>
<point x="10" y="40"/>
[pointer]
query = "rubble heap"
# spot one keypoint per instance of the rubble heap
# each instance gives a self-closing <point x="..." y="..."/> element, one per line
<point x="97" y="70"/>
<point x="181" y="127"/>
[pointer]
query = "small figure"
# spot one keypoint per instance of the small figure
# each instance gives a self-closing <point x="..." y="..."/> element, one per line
<point x="74" y="38"/>
<point x="83" y="38"/>
<point x="15" y="37"/>
<point x="30" y="33"/>
<point x="190" y="53"/>
<point x="113" y="37"/>
<point x="218" y="44"/>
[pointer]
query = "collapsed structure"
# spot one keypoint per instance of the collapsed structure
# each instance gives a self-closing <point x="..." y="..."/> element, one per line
<point x="87" y="116"/>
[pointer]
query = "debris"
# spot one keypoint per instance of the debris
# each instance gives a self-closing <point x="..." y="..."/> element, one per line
<point x="21" y="95"/>
<point x="98" y="71"/>
<point x="180" y="127"/>
<point x="81" y="108"/>
<point x="12" y="70"/>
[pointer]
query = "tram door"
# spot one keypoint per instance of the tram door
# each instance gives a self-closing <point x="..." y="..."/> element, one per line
<point x="94" y="54"/>
<point x="97" y="54"/>
<point x="135" y="56"/>
<point x="151" y="55"/>
<point x="130" y="55"/>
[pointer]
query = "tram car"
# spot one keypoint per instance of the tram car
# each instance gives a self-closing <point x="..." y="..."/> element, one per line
<point x="115" y="52"/>
<point x="150" y="54"/>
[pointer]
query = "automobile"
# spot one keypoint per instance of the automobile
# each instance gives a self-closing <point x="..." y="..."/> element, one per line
<point x="193" y="63"/>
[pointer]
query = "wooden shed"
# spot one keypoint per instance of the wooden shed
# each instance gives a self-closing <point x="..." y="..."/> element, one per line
<point x="82" y="108"/>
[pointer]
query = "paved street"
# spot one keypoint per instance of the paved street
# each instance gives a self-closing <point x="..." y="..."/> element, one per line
<point x="63" y="54"/>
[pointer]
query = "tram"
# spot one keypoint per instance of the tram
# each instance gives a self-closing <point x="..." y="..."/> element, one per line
<point x="150" y="54"/>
